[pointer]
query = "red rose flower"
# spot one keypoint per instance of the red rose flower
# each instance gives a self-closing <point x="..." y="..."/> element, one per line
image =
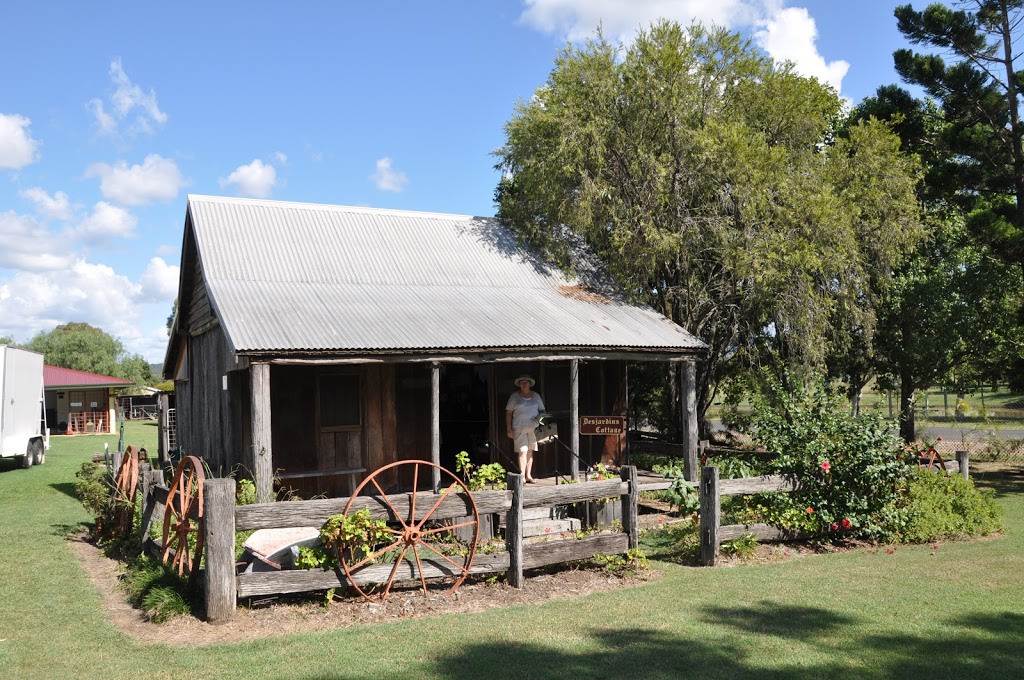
<point x="846" y="523"/>
<point x="835" y="527"/>
<point x="825" y="466"/>
<point x="810" y="510"/>
<point x="939" y="439"/>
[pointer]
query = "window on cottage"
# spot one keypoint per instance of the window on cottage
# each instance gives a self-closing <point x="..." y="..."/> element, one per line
<point x="339" y="401"/>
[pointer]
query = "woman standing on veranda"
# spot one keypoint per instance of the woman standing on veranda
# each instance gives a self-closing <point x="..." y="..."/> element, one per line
<point x="521" y="420"/>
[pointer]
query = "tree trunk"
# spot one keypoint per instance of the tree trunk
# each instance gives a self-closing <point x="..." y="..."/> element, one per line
<point x="907" y="429"/>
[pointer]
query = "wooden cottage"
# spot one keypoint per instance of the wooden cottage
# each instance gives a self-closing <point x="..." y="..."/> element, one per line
<point x="316" y="343"/>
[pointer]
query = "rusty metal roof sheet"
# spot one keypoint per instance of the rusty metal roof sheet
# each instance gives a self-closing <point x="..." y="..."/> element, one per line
<point x="304" y="277"/>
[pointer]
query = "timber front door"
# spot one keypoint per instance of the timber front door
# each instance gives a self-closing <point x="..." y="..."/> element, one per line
<point x="339" y="426"/>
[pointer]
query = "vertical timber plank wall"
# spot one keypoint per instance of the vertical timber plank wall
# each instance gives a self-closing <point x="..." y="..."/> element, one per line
<point x="260" y="454"/>
<point x="211" y="431"/>
<point x="435" y="425"/>
<point x="574" y="418"/>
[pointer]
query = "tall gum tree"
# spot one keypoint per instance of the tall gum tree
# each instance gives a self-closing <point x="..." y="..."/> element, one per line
<point x="713" y="186"/>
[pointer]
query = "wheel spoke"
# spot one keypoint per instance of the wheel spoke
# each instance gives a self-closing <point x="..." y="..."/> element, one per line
<point x="374" y="556"/>
<point x="427" y="532"/>
<point x="419" y="567"/>
<point x="415" y="483"/>
<point x="430" y="512"/>
<point x="386" y="501"/>
<point x="394" y="570"/>
<point x="460" y="567"/>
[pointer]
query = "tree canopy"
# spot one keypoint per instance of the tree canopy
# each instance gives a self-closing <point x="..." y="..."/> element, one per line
<point x="978" y="85"/>
<point x="86" y="348"/>
<point x="715" y="186"/>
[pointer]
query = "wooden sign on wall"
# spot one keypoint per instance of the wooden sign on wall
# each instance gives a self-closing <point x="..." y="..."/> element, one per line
<point x="602" y="425"/>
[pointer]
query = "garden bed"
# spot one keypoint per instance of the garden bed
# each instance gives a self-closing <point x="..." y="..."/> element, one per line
<point x="282" y="616"/>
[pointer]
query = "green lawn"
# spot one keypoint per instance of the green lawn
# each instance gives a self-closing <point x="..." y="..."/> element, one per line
<point x="956" y="613"/>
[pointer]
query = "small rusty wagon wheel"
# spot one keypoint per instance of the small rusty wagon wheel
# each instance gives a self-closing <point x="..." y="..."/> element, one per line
<point x="126" y="487"/>
<point x="413" y="532"/>
<point x="183" y="515"/>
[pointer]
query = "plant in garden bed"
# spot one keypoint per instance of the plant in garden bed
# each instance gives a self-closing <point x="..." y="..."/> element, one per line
<point x="156" y="589"/>
<point x="743" y="547"/>
<point x="851" y="469"/>
<point x="480" y="477"/>
<point x="939" y="506"/>
<point x="633" y="563"/>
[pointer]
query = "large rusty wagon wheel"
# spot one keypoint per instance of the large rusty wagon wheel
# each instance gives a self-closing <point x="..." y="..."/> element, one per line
<point x="183" y="516"/>
<point x="415" y="531"/>
<point x="126" y="487"/>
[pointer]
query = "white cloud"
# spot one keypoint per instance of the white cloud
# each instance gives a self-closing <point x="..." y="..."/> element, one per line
<point x="257" y="179"/>
<point x="790" y="35"/>
<point x="784" y="33"/>
<point x="56" y="207"/>
<point x="281" y="157"/>
<point x="156" y="179"/>
<point x="28" y="245"/>
<point x="31" y="302"/>
<point x="104" y="223"/>
<point x="166" y="250"/>
<point x="17" y="147"/>
<point x="160" y="280"/>
<point x="128" y="104"/>
<point x="575" y="20"/>
<point x="387" y="178"/>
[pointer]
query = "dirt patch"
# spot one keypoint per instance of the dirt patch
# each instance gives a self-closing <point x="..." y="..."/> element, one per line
<point x="270" y="617"/>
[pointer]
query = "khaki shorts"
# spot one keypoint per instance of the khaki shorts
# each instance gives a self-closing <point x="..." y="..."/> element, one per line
<point x="525" y="436"/>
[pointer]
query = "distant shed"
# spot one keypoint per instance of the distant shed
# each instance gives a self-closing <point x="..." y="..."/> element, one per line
<point x="79" y="402"/>
<point x="316" y="343"/>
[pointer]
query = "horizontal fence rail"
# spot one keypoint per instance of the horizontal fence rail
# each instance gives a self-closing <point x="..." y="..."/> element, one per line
<point x="222" y="519"/>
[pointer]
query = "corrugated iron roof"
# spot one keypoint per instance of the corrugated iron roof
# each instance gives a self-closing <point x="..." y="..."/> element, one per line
<point x="304" y="277"/>
<point x="56" y="376"/>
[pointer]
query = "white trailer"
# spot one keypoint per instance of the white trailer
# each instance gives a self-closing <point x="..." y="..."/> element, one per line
<point x="23" y="433"/>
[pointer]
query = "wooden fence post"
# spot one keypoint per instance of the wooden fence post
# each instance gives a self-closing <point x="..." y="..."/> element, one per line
<point x="631" y="506"/>
<point x="219" y="535"/>
<point x="963" y="457"/>
<point x="115" y="467"/>
<point x="710" y="515"/>
<point x="514" y="530"/>
<point x="145" y="483"/>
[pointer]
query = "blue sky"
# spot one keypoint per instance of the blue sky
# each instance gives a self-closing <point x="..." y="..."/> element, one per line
<point x="112" y="112"/>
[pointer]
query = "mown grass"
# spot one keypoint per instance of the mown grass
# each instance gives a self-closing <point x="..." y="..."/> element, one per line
<point x="952" y="612"/>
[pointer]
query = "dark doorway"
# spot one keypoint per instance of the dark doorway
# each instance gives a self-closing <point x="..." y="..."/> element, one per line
<point x="465" y="413"/>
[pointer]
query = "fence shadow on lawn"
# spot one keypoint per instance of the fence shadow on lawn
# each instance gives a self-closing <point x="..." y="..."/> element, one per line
<point x="1005" y="481"/>
<point x="980" y="646"/>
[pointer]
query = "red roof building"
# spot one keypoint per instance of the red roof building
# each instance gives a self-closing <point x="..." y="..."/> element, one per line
<point x="79" y="402"/>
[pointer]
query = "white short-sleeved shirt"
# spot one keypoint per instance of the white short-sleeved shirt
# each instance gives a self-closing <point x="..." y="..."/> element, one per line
<point x="524" y="410"/>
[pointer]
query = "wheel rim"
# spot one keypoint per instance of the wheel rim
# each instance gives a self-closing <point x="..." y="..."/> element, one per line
<point x="413" y="533"/>
<point x="126" y="486"/>
<point x="184" y="498"/>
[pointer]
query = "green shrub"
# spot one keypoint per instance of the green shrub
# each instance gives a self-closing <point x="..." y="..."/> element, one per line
<point x="743" y="547"/>
<point x="156" y="589"/>
<point x="850" y="468"/>
<point x="164" y="603"/>
<point x="93" y="488"/>
<point x="941" y="506"/>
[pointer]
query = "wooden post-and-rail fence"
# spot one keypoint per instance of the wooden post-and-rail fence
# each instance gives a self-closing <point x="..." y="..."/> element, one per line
<point x="712" y="533"/>
<point x="222" y="518"/>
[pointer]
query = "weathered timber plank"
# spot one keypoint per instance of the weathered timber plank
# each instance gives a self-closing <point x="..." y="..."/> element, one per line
<point x="300" y="580"/>
<point x="553" y="552"/>
<point x="219" y="535"/>
<point x="259" y="460"/>
<point x="763" y="532"/>
<point x="546" y="496"/>
<point x="514" y="530"/>
<point x="314" y="513"/>
<point x="690" y="433"/>
<point x="660" y="448"/>
<point x="710" y="515"/>
<point x="656" y="486"/>
<point x="736" y="487"/>
<point x="630" y="506"/>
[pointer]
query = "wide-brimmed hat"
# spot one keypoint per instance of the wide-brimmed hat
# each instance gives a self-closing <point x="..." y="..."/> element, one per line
<point x="527" y="378"/>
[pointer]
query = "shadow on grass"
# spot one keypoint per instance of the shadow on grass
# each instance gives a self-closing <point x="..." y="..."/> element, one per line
<point x="1006" y="481"/>
<point x="769" y="618"/>
<point x="985" y="645"/>
<point x="66" y="488"/>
